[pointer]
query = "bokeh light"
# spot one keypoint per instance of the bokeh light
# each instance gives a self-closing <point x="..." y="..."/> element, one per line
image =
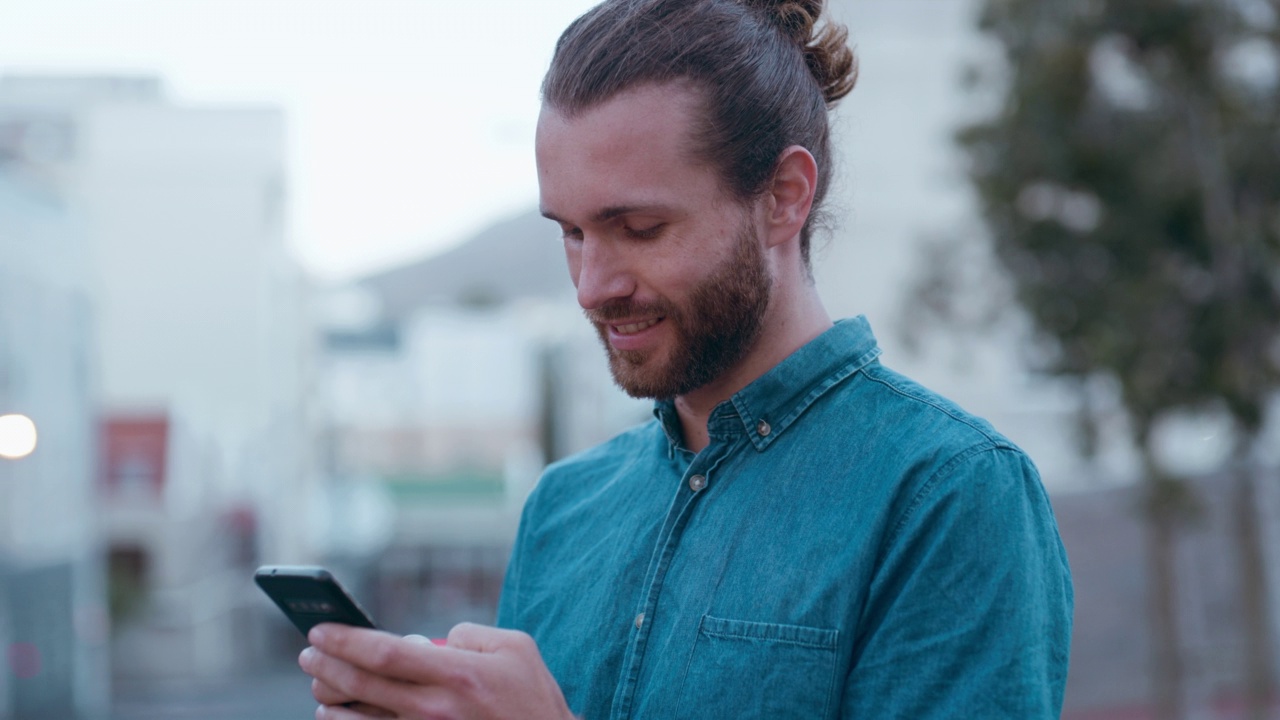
<point x="17" y="436"/>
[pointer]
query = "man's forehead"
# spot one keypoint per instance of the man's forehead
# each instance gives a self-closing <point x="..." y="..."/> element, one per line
<point x="631" y="154"/>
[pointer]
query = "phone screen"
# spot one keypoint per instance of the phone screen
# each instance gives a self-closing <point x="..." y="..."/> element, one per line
<point x="309" y="596"/>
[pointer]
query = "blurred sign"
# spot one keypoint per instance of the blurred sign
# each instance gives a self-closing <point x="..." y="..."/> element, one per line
<point x="134" y="454"/>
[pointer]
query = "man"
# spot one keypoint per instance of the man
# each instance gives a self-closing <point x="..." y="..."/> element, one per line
<point x="800" y="532"/>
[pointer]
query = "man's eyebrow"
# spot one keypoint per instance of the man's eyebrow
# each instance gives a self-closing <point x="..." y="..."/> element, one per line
<point x="611" y="212"/>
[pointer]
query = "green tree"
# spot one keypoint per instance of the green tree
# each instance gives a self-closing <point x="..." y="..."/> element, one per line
<point x="1130" y="182"/>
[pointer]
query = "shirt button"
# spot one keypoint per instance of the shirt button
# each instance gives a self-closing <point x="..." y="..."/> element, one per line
<point x="639" y="620"/>
<point x="697" y="482"/>
<point x="763" y="429"/>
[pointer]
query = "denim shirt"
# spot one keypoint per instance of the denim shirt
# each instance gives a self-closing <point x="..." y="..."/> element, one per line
<point x="849" y="545"/>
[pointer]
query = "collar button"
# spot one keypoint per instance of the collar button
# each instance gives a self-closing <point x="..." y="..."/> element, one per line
<point x="763" y="429"/>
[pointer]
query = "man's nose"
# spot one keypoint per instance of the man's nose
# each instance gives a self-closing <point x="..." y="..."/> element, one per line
<point x="602" y="273"/>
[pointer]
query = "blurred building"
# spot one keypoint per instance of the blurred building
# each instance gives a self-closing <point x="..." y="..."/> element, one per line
<point x="202" y="356"/>
<point x="53" y="614"/>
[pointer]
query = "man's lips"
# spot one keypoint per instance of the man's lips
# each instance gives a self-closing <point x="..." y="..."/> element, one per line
<point x="631" y="328"/>
<point x="632" y="334"/>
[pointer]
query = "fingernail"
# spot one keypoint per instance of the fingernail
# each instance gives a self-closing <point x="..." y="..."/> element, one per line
<point x="316" y="636"/>
<point x="304" y="659"/>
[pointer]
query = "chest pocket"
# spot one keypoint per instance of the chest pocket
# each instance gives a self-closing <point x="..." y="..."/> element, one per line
<point x="741" y="669"/>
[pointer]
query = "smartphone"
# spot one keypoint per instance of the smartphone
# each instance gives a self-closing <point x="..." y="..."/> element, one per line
<point x="309" y="596"/>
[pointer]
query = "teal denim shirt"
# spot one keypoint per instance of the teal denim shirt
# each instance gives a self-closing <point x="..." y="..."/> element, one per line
<point x="849" y="545"/>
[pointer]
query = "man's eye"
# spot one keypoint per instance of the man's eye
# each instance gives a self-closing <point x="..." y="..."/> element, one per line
<point x="572" y="233"/>
<point x="648" y="233"/>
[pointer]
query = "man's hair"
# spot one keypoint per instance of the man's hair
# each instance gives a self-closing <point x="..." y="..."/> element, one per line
<point x="766" y="72"/>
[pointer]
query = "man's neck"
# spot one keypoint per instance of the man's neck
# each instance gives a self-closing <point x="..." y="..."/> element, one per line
<point x="780" y="337"/>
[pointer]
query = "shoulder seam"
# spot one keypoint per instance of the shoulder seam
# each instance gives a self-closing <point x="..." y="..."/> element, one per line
<point x="927" y="487"/>
<point x="995" y="439"/>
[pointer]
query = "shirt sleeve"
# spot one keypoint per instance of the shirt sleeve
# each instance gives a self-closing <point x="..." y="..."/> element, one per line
<point x="509" y="599"/>
<point x="969" y="612"/>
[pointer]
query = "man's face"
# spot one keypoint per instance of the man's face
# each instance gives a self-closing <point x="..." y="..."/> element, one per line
<point x="669" y="268"/>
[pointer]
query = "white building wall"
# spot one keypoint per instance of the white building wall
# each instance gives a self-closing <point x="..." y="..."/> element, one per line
<point x="48" y="527"/>
<point x="44" y="367"/>
<point x="203" y="310"/>
<point x="185" y="209"/>
<point x="203" y="319"/>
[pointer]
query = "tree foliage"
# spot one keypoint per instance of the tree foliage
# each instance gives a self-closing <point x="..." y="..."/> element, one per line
<point x="1131" y="184"/>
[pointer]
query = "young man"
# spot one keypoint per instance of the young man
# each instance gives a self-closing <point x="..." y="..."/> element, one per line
<point x="800" y="532"/>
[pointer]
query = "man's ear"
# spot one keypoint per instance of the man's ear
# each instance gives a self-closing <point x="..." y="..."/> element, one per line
<point x="795" y="179"/>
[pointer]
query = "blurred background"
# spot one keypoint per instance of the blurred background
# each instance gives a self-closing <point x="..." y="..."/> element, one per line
<point x="273" y="289"/>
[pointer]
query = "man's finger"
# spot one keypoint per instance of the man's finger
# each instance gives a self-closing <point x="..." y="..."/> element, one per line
<point x="350" y="684"/>
<point x="424" y="640"/>
<point x="326" y="695"/>
<point x="355" y="711"/>
<point x="388" y="656"/>
<point x="486" y="639"/>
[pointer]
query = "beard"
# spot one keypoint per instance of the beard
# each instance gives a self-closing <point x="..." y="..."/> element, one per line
<point x="714" y="330"/>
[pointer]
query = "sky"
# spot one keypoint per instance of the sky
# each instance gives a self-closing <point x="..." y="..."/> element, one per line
<point x="410" y="122"/>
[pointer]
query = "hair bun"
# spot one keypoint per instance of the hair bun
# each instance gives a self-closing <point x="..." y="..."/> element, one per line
<point x="795" y="18"/>
<point x="826" y="50"/>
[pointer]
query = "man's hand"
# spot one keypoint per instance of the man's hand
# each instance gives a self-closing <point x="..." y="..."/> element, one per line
<point x="482" y="672"/>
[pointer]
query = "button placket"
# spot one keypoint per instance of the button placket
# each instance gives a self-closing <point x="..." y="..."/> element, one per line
<point x="670" y="535"/>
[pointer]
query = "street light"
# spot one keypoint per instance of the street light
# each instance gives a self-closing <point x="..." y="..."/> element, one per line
<point x="17" y="436"/>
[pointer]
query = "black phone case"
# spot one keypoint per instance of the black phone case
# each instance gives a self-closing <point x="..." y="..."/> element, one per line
<point x="309" y="596"/>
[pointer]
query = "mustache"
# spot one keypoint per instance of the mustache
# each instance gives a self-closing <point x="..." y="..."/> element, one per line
<point x="623" y="308"/>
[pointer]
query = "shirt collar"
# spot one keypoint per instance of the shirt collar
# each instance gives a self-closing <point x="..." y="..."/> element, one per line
<point x="768" y="406"/>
